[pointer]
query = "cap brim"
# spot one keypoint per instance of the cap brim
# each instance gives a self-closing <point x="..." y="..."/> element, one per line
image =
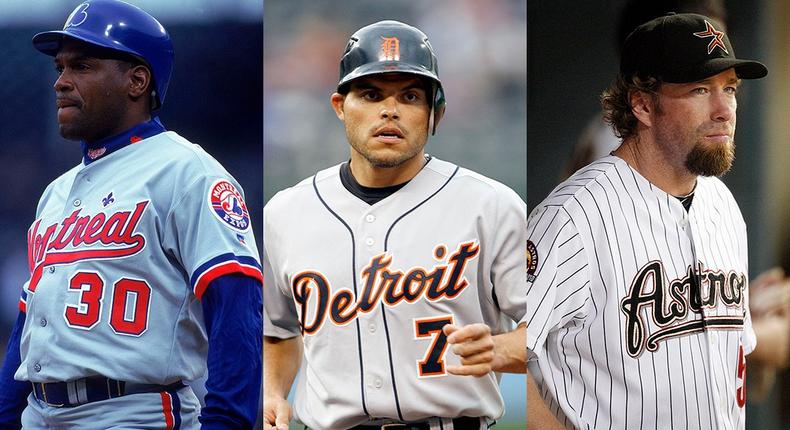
<point x="748" y="69"/>
<point x="49" y="42"/>
<point x="745" y="69"/>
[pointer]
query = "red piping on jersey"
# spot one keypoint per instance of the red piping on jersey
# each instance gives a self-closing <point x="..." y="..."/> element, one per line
<point x="224" y="268"/>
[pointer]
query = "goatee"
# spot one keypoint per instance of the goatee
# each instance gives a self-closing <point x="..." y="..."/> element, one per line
<point x="710" y="161"/>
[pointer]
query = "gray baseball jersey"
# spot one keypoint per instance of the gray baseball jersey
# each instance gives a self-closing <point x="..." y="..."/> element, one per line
<point x="369" y="287"/>
<point x="120" y="253"/>
<point x="638" y="310"/>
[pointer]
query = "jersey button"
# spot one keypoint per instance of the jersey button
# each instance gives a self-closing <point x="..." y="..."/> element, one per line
<point x="372" y="327"/>
<point x="369" y="241"/>
<point x="376" y="383"/>
<point x="370" y="217"/>
<point x="77" y="202"/>
<point x="43" y="322"/>
<point x="37" y="367"/>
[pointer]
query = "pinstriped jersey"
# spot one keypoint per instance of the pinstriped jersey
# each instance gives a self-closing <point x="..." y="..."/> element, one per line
<point x="120" y="253"/>
<point x="369" y="287"/>
<point x="638" y="313"/>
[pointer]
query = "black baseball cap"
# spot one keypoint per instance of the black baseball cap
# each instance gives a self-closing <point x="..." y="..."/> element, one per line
<point x="681" y="48"/>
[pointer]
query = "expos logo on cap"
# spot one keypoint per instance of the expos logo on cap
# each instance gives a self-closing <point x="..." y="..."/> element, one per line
<point x="77" y="17"/>
<point x="228" y="205"/>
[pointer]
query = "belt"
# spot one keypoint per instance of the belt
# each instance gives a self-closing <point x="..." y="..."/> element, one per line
<point x="462" y="423"/>
<point x="92" y="389"/>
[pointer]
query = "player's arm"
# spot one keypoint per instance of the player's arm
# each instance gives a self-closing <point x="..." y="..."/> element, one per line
<point x="282" y="358"/>
<point x="13" y="394"/>
<point x="232" y="312"/>
<point x="538" y="415"/>
<point x="481" y="353"/>
<point x="558" y="295"/>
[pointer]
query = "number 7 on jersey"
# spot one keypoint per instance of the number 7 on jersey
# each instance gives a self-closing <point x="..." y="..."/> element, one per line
<point x="433" y="362"/>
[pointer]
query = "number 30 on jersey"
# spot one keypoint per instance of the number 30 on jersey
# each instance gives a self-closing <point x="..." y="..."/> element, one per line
<point x="130" y="302"/>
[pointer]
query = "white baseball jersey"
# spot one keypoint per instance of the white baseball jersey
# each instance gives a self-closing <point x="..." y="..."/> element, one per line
<point x="638" y="313"/>
<point x="369" y="288"/>
<point x="120" y="252"/>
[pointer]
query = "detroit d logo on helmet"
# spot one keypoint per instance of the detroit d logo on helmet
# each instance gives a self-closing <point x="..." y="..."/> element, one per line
<point x="228" y="205"/>
<point x="390" y="49"/>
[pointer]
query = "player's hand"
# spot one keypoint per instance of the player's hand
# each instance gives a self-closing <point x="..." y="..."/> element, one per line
<point x="474" y="344"/>
<point x="276" y="413"/>
<point x="769" y="302"/>
<point x="769" y="293"/>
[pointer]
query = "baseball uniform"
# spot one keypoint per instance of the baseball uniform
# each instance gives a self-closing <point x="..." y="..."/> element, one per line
<point x="638" y="308"/>
<point x="369" y="287"/>
<point x="143" y="265"/>
<point x="121" y="252"/>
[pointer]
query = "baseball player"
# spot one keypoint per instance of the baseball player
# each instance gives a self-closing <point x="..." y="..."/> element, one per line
<point x="398" y="274"/>
<point x="637" y="283"/>
<point x="143" y="265"/>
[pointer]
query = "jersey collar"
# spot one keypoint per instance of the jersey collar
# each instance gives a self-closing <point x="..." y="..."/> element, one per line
<point x="102" y="148"/>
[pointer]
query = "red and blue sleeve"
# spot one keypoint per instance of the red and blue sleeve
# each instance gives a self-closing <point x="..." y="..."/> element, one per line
<point x="222" y="265"/>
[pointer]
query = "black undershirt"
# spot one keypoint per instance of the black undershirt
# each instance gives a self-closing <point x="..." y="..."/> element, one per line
<point x="686" y="200"/>
<point x="369" y="195"/>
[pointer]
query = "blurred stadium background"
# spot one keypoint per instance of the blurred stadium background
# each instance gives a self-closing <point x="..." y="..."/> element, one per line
<point x="214" y="99"/>
<point x="481" y="48"/>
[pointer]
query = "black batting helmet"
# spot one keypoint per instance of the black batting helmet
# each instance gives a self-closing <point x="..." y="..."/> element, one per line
<point x="388" y="47"/>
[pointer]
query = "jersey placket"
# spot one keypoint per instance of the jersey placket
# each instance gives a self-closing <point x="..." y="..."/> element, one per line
<point x="714" y="363"/>
<point x="50" y="291"/>
<point x="380" y="390"/>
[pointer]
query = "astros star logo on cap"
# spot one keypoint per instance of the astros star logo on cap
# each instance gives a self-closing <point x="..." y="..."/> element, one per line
<point x="715" y="34"/>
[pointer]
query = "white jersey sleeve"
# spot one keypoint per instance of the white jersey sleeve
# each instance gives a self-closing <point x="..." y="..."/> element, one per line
<point x="280" y="319"/>
<point x="749" y="337"/>
<point x="558" y="286"/>
<point x="508" y="266"/>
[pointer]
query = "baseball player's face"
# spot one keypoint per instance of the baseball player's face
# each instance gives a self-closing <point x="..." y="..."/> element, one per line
<point x="696" y="122"/>
<point x="90" y="94"/>
<point x="386" y="118"/>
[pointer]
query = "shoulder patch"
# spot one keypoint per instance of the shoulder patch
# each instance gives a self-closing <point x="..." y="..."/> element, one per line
<point x="532" y="261"/>
<point x="227" y="204"/>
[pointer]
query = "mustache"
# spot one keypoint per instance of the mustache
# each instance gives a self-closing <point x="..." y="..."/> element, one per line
<point x="717" y="129"/>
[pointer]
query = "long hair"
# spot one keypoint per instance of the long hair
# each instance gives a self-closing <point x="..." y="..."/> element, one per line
<point x="616" y="103"/>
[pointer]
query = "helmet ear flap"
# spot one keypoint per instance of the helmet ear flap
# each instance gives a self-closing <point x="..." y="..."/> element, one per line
<point x="438" y="106"/>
